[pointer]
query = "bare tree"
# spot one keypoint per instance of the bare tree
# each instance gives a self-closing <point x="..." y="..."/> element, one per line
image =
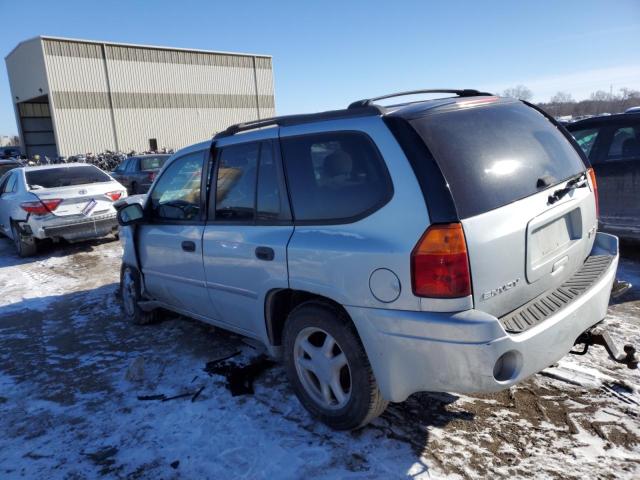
<point x="519" y="91"/>
<point x="562" y="97"/>
<point x="600" y="96"/>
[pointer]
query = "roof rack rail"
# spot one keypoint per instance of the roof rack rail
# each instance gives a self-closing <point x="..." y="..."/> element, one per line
<point x="287" y="120"/>
<point x="367" y="102"/>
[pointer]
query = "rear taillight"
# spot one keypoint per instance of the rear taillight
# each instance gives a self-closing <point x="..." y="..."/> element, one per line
<point x="114" y="195"/>
<point x="594" y="186"/>
<point x="41" y="207"/>
<point x="440" y="264"/>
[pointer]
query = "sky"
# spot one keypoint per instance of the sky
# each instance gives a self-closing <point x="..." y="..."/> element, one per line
<point x="327" y="54"/>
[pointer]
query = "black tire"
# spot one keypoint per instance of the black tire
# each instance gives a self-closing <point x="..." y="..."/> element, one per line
<point x="131" y="294"/>
<point x="134" y="188"/>
<point x="365" y="401"/>
<point x="26" y="247"/>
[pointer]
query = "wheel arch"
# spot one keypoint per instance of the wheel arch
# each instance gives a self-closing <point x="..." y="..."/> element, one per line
<point x="279" y="303"/>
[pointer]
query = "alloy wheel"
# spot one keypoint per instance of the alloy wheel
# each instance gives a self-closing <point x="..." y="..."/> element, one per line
<point x="323" y="368"/>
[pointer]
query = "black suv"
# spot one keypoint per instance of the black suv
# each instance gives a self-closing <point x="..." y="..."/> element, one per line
<point x="612" y="144"/>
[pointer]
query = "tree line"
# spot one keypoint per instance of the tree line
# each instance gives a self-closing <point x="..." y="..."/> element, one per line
<point x="599" y="102"/>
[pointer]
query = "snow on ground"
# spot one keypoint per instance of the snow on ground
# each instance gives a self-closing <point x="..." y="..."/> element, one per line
<point x="71" y="371"/>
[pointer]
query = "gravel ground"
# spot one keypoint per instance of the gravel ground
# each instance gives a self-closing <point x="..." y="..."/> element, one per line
<point x="72" y="371"/>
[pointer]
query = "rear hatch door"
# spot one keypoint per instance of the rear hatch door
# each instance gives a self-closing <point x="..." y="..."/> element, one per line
<point x="521" y="193"/>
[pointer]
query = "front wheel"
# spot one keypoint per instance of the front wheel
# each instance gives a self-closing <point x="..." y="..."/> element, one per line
<point x="131" y="294"/>
<point x="328" y="367"/>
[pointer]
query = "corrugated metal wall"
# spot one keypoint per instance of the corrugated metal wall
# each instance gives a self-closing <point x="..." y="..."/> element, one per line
<point x="106" y="96"/>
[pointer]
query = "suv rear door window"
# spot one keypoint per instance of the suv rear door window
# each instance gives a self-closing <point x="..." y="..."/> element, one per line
<point x="65" y="177"/>
<point x="624" y="144"/>
<point x="335" y="176"/>
<point x="176" y="195"/>
<point x="586" y="139"/>
<point x="494" y="155"/>
<point x="236" y="182"/>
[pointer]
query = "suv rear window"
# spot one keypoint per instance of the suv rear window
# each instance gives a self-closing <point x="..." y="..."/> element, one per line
<point x="65" y="177"/>
<point x="152" y="163"/>
<point x="334" y="177"/>
<point x="494" y="155"/>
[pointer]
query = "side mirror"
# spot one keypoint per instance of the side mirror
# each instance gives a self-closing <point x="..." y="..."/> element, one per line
<point x="130" y="214"/>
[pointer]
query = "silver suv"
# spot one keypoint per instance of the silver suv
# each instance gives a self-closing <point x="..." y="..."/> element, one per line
<point x="442" y="245"/>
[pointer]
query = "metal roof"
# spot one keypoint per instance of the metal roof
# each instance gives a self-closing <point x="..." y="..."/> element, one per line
<point x="134" y="45"/>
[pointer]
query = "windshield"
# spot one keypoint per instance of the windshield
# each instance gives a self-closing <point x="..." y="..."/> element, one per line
<point x="494" y="155"/>
<point x="65" y="177"/>
<point x="152" y="163"/>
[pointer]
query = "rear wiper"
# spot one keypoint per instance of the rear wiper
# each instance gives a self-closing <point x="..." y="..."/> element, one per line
<point x="579" y="182"/>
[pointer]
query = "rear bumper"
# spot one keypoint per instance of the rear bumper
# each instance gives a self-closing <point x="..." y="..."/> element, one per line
<point x="470" y="351"/>
<point x="76" y="228"/>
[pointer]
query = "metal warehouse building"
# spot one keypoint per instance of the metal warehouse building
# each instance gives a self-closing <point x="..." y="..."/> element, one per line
<point x="78" y="96"/>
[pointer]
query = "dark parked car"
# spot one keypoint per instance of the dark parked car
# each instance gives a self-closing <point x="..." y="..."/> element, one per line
<point x="612" y="144"/>
<point x="6" y="165"/>
<point x="137" y="173"/>
<point x="9" y="152"/>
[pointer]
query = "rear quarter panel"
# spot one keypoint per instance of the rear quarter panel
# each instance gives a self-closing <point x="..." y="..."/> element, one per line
<point x="337" y="261"/>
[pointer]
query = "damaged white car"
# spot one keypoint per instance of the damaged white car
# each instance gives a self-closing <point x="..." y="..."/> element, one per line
<point x="71" y="202"/>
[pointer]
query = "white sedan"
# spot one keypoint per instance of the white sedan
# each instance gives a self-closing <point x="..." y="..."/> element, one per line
<point x="73" y="202"/>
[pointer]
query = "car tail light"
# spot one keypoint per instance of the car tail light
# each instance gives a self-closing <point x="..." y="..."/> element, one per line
<point x="114" y="195"/>
<point x="152" y="176"/>
<point x="41" y="207"/>
<point x="594" y="186"/>
<point x="440" y="264"/>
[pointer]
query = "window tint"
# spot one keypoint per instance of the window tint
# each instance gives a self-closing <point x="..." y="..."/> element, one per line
<point x="624" y="144"/>
<point x="494" y="155"/>
<point x="65" y="177"/>
<point x="586" y="139"/>
<point x="236" y="182"/>
<point x="176" y="195"/>
<point x="152" y="163"/>
<point x="334" y="176"/>
<point x="269" y="199"/>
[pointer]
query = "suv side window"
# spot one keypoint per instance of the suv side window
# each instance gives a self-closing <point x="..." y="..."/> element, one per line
<point x="131" y="166"/>
<point x="335" y="177"/>
<point x="586" y="139"/>
<point x="176" y="195"/>
<point x="271" y="202"/>
<point x="123" y="166"/>
<point x="624" y="144"/>
<point x="250" y="185"/>
<point x="236" y="182"/>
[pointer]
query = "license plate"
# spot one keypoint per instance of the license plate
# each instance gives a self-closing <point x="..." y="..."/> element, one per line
<point x="88" y="209"/>
<point x="550" y="238"/>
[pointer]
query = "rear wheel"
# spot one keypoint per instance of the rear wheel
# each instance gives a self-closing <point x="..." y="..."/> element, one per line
<point x="25" y="245"/>
<point x="328" y="367"/>
<point x="133" y="189"/>
<point x="131" y="294"/>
